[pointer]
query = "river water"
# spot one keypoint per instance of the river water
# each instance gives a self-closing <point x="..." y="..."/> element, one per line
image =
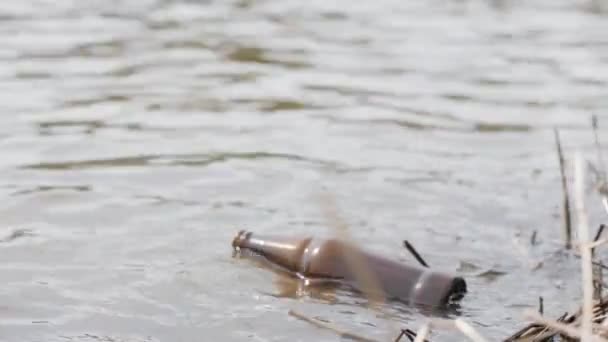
<point x="138" y="137"/>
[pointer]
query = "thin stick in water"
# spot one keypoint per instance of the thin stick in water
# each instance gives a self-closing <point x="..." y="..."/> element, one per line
<point x="400" y="335"/>
<point x="566" y="199"/>
<point x="599" y="232"/>
<point x="415" y="253"/>
<point x="411" y="335"/>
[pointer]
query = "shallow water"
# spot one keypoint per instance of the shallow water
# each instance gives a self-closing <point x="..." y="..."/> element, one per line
<point x="138" y="137"/>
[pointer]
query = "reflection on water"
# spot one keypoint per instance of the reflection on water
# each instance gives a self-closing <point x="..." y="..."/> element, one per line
<point x="137" y="136"/>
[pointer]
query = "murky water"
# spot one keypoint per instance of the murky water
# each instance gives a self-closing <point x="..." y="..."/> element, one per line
<point x="138" y="137"/>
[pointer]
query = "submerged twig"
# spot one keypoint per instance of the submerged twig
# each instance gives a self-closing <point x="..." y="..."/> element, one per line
<point x="541" y="307"/>
<point x="341" y="332"/>
<point x="415" y="253"/>
<point x="566" y="198"/>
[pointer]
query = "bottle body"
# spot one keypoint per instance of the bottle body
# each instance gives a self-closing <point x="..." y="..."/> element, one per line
<point x="333" y="259"/>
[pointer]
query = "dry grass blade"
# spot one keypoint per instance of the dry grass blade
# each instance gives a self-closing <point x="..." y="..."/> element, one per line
<point x="370" y="286"/>
<point x="583" y="235"/>
<point x="561" y="327"/>
<point x="566" y="200"/>
<point x="341" y="332"/>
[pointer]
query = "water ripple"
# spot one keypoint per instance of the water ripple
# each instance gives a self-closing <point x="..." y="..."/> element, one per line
<point x="137" y="134"/>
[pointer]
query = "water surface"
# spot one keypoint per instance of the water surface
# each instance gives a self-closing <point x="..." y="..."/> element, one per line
<point x="138" y="137"/>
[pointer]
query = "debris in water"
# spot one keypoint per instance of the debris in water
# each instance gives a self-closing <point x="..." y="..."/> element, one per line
<point x="415" y="253"/>
<point x="311" y="259"/>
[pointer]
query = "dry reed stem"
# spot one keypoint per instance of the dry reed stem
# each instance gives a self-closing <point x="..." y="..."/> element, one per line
<point x="594" y="244"/>
<point x="583" y="235"/>
<point x="566" y="198"/>
<point x="370" y="286"/>
<point x="328" y="326"/>
<point x="564" y="329"/>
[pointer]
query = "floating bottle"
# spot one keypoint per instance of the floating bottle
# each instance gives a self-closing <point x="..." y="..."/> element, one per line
<point x="316" y="259"/>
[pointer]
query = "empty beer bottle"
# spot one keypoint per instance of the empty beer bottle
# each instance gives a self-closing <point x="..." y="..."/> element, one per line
<point x="328" y="259"/>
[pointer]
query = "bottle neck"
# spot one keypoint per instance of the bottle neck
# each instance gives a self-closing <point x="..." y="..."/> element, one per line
<point x="286" y="253"/>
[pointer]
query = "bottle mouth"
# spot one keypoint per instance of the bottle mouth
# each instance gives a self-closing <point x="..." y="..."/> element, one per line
<point x="241" y="236"/>
<point x="457" y="290"/>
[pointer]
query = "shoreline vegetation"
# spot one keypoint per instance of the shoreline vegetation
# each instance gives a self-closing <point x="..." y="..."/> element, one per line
<point x="587" y="324"/>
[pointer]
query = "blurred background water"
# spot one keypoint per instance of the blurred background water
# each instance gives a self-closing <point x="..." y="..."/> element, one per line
<point x="137" y="137"/>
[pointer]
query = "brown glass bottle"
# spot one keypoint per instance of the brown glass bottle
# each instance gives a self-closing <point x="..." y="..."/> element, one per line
<point x="313" y="259"/>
